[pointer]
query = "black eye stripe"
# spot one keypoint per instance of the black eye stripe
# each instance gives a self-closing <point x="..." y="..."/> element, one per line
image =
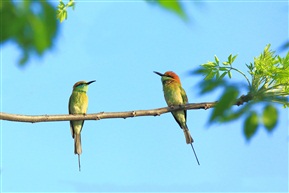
<point x="80" y="84"/>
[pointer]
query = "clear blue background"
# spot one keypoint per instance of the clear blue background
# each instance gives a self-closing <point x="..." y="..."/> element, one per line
<point x="120" y="44"/>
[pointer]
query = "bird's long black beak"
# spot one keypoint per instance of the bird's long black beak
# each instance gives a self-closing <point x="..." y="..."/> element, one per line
<point x="158" y="73"/>
<point x="90" y="82"/>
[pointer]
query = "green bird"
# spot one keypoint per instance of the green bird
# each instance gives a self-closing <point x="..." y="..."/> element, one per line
<point x="78" y="103"/>
<point x="175" y="95"/>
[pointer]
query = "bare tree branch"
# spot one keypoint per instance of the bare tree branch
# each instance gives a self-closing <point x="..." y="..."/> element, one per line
<point x="111" y="115"/>
<point x="102" y="115"/>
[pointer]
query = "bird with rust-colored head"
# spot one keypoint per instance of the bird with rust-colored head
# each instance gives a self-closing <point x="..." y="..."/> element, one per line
<point x="175" y="95"/>
<point x="78" y="103"/>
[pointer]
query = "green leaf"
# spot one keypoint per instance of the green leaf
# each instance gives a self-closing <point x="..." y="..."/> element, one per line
<point x="234" y="57"/>
<point x="71" y="3"/>
<point x="201" y="71"/>
<point x="41" y="41"/>
<point x="223" y="75"/>
<point x="250" y="67"/>
<point x="62" y="15"/>
<point x="251" y="124"/>
<point x="61" y="5"/>
<point x="217" y="60"/>
<point x="24" y="58"/>
<point x="210" y="75"/>
<point x="235" y="114"/>
<point x="217" y="73"/>
<point x="230" y="74"/>
<point x="173" y="5"/>
<point x="230" y="59"/>
<point x="226" y="63"/>
<point x="223" y="69"/>
<point x="270" y="117"/>
<point x="210" y="85"/>
<point x="227" y="100"/>
<point x="209" y="65"/>
<point x="276" y="99"/>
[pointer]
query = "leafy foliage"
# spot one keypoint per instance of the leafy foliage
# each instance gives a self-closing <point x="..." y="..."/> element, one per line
<point x="213" y="69"/>
<point x="270" y="77"/>
<point x="224" y="104"/>
<point x="62" y="9"/>
<point x="32" y="30"/>
<point x="270" y="117"/>
<point x="171" y="5"/>
<point x="269" y="84"/>
<point x="251" y="124"/>
<point x="41" y="27"/>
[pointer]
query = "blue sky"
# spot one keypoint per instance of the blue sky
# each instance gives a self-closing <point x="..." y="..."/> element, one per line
<point x="120" y="44"/>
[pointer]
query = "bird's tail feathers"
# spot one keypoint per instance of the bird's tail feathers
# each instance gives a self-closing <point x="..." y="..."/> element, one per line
<point x="77" y="144"/>
<point x="189" y="139"/>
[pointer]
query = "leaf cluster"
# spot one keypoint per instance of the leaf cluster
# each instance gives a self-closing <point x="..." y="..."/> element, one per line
<point x="269" y="84"/>
<point x="33" y="31"/>
<point x="61" y="13"/>
<point x="213" y="69"/>
<point x="270" y="77"/>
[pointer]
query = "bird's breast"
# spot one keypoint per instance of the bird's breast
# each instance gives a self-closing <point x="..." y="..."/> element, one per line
<point x="172" y="94"/>
<point x="79" y="103"/>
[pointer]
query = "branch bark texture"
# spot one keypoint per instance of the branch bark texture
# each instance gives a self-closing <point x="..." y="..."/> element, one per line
<point x="112" y="115"/>
<point x="103" y="115"/>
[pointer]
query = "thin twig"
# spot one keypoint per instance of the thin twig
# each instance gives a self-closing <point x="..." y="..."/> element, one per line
<point x="232" y="68"/>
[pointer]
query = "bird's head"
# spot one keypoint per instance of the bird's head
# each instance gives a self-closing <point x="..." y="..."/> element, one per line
<point x="169" y="76"/>
<point x="82" y="85"/>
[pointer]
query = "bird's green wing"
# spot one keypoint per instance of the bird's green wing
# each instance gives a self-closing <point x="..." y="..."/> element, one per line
<point x="71" y="125"/>
<point x="185" y="99"/>
<point x="184" y="96"/>
<point x="70" y="112"/>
